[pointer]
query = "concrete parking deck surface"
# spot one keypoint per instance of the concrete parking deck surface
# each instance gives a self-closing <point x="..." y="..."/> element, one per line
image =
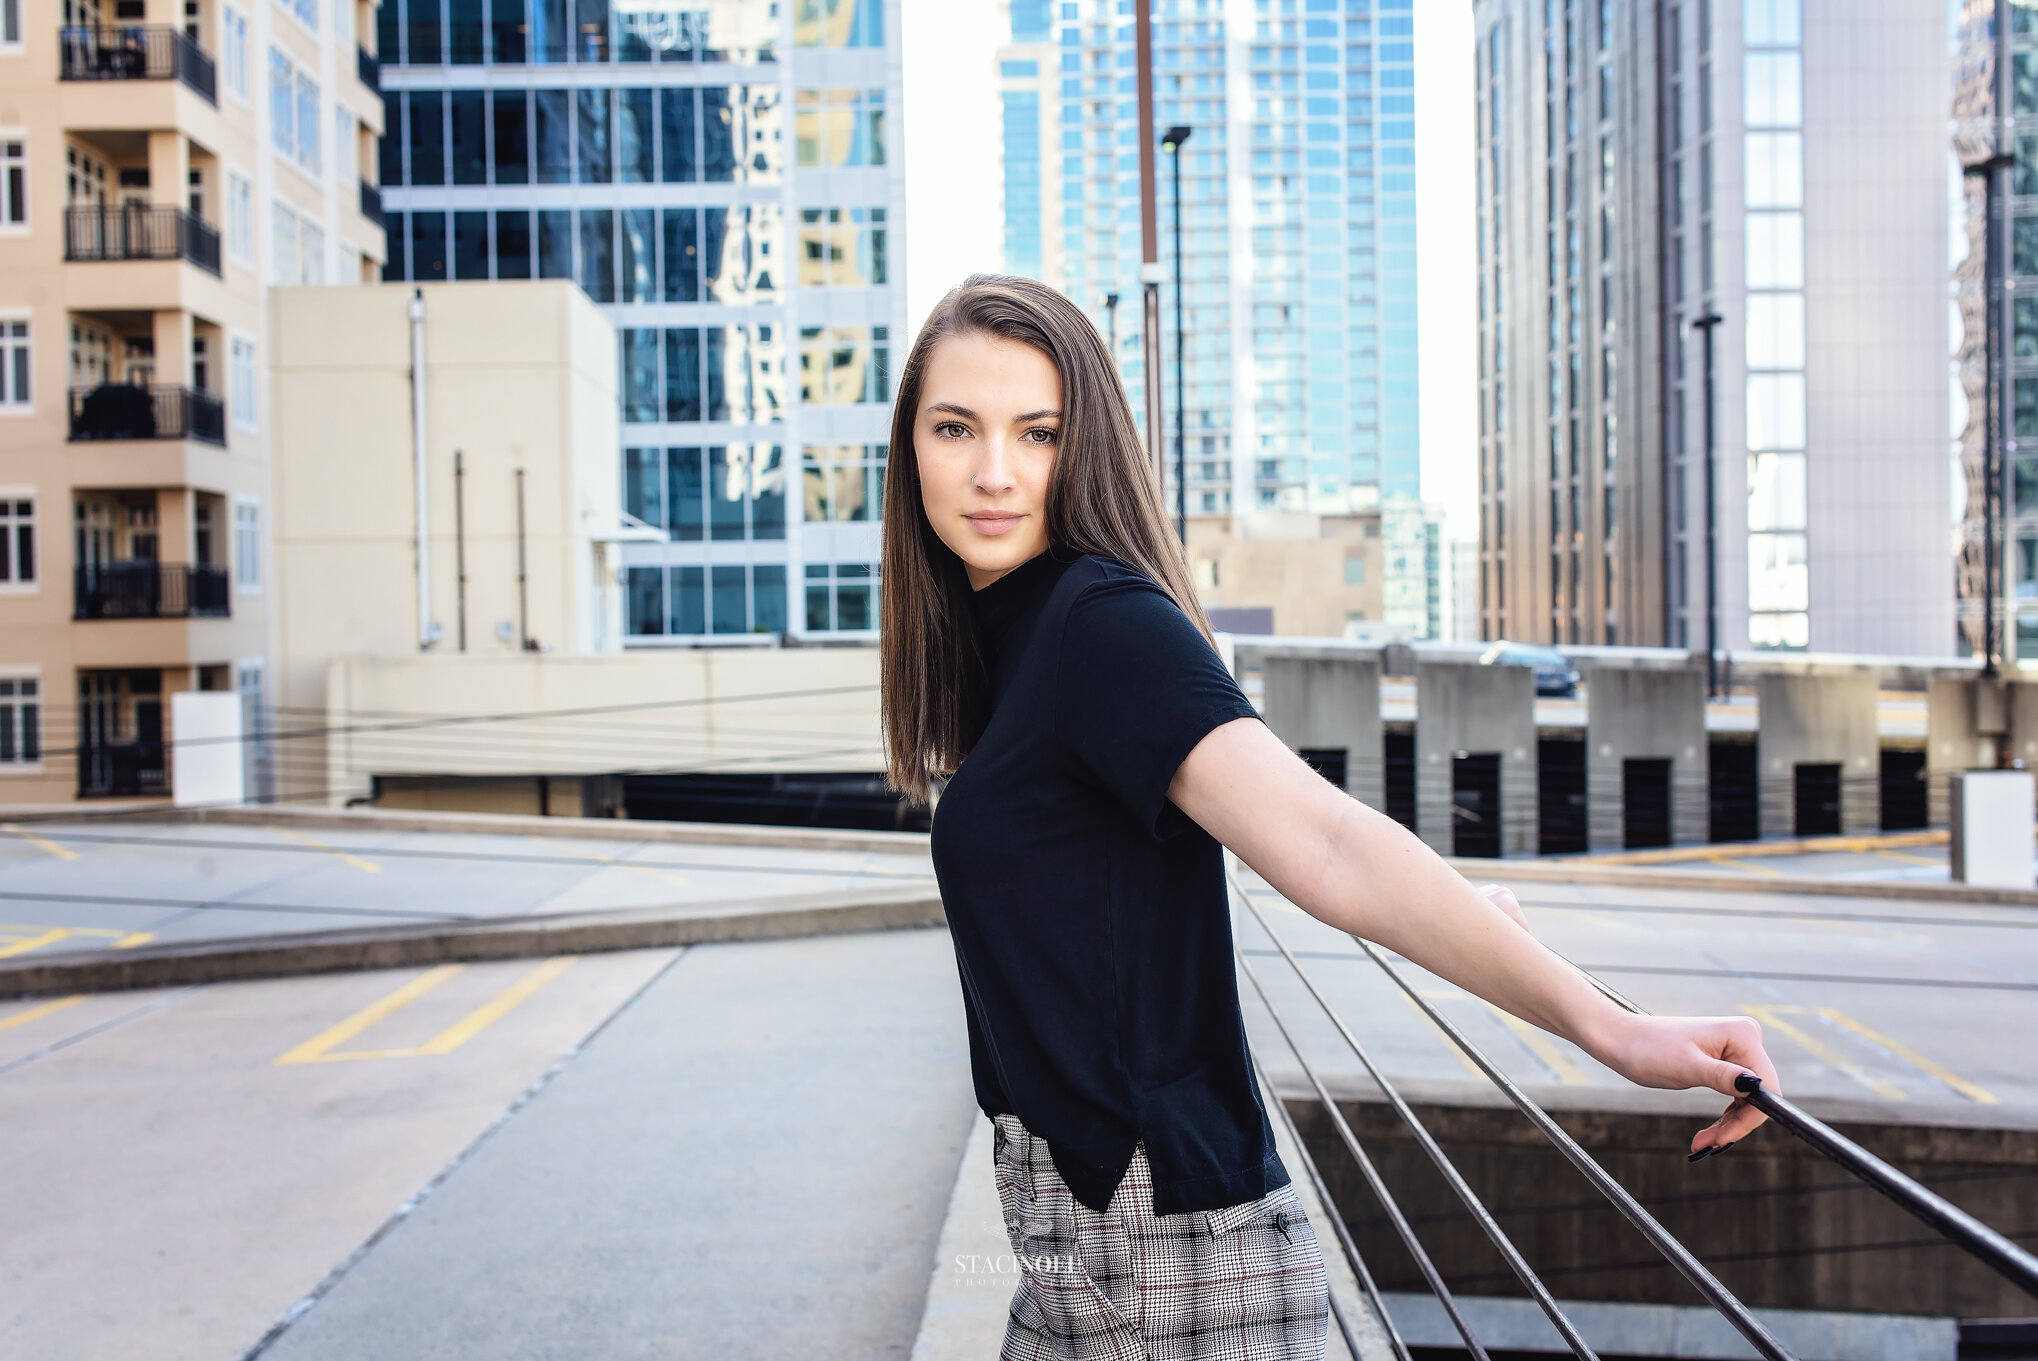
<point x="67" y="887"/>
<point x="748" y="1149"/>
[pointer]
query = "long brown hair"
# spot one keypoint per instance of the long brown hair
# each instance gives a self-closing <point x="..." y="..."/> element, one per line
<point x="1102" y="498"/>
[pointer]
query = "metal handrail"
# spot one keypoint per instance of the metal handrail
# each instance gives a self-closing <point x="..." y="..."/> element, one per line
<point x="1338" y="1226"/>
<point x="1715" y="1294"/>
<point x="2015" y="1264"/>
<point x="1480" y="1214"/>
<point x="1402" y="1227"/>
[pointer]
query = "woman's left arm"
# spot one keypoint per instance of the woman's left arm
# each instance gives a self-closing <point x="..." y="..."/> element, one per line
<point x="1364" y="873"/>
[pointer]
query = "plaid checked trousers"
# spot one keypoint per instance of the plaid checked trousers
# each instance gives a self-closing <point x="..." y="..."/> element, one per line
<point x="1244" y="1283"/>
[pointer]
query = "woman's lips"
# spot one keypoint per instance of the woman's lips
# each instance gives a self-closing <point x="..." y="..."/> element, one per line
<point x="994" y="522"/>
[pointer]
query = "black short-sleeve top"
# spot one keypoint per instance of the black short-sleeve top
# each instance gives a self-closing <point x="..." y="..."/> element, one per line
<point x="1091" y="925"/>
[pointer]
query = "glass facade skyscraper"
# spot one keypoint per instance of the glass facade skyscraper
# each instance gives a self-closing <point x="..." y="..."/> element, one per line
<point x="723" y="178"/>
<point x="1298" y="228"/>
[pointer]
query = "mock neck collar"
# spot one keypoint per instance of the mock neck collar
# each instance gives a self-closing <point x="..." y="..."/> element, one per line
<point x="999" y="606"/>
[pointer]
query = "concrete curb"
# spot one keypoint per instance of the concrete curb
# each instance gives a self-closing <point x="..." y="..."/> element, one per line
<point x="483" y="824"/>
<point x="1780" y="885"/>
<point x="442" y="942"/>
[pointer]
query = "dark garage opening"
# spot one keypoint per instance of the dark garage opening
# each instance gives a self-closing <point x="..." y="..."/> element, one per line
<point x="1329" y="762"/>
<point x="1645" y="801"/>
<point x="1560" y="796"/>
<point x="1475" y="804"/>
<point x="1736" y="809"/>
<point x="1817" y="791"/>
<point x="1906" y="789"/>
<point x="1397" y="751"/>
<point x="821" y="799"/>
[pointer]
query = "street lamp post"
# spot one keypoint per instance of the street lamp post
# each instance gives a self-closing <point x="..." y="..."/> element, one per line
<point x="1111" y="322"/>
<point x="1990" y="172"/>
<point x="1173" y="142"/>
<point x="1704" y="325"/>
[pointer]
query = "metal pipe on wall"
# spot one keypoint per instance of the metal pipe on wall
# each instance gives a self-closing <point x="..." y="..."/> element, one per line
<point x="428" y="629"/>
<point x="460" y="538"/>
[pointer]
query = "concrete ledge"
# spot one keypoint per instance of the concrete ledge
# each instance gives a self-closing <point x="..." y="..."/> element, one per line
<point x="443" y="942"/>
<point x="1781" y="885"/>
<point x="482" y="824"/>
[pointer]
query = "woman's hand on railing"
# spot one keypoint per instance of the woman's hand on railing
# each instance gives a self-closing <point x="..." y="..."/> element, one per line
<point x="1678" y="1052"/>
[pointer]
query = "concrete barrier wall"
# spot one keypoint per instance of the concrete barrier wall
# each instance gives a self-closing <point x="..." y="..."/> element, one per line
<point x="1819" y="719"/>
<point x="1463" y="708"/>
<point x="1329" y="700"/>
<point x="1654" y="713"/>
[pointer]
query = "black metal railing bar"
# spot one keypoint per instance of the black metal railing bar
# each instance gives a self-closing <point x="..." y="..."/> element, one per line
<point x="1688" y="1265"/>
<point x="136" y="52"/>
<point x="123" y="411"/>
<point x="369" y="68"/>
<point x="2015" y="1264"/>
<point x="1679" y="1256"/>
<point x="1427" y="1142"/>
<point x="1377" y="1184"/>
<point x="143" y="589"/>
<point x="134" y="231"/>
<point x="371" y="202"/>
<point x="1338" y="1225"/>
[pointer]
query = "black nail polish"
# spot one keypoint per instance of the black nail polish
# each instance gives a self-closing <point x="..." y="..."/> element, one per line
<point x="1703" y="1153"/>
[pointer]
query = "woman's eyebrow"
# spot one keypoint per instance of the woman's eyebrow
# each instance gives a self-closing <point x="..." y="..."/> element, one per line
<point x="953" y="409"/>
<point x="1048" y="414"/>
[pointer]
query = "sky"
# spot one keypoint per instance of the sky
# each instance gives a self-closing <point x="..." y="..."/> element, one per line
<point x="953" y="222"/>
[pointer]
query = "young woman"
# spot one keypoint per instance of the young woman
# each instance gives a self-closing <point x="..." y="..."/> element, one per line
<point x="1045" y="653"/>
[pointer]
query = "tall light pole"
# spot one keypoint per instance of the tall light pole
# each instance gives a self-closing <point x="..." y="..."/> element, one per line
<point x="1704" y="325"/>
<point x="1990" y="172"/>
<point x="1173" y="142"/>
<point x="1111" y="321"/>
<point x="1149" y="239"/>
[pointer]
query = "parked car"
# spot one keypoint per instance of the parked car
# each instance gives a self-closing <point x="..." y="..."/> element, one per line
<point x="1554" y="675"/>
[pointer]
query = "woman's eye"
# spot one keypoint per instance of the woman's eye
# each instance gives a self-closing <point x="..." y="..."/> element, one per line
<point x="1046" y="436"/>
<point x="950" y="430"/>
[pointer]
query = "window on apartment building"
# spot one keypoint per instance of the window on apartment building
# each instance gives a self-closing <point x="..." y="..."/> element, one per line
<point x="247" y="544"/>
<point x="16" y="393"/>
<point x="841" y="365"/>
<point x="839" y="23"/>
<point x="282" y="102"/>
<point x="734" y="491"/>
<point x="307" y="123"/>
<point x="241" y="382"/>
<point x="10" y="25"/>
<point x="240" y="217"/>
<point x="842" y="247"/>
<point x="693" y="600"/>
<point x="839" y="127"/>
<point x="841" y="596"/>
<point x="346" y="148"/>
<point x="305" y="10"/>
<point x="13" y="180"/>
<point x="20" y="720"/>
<point x="17" y="541"/>
<point x="283" y="260"/>
<point x="233" y="27"/>
<point x="842" y="481"/>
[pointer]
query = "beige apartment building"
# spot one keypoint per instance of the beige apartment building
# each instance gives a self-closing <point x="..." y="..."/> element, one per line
<point x="162" y="162"/>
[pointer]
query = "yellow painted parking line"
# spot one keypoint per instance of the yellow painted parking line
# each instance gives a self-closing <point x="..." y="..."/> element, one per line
<point x="1544" y="1048"/>
<point x="497" y="1007"/>
<point x="1909" y="859"/>
<point x="132" y="939"/>
<point x="1464" y="1060"/>
<point x="365" y="866"/>
<point x="615" y="863"/>
<point x="1971" y="1091"/>
<point x="1772" y="1017"/>
<point x="1739" y="850"/>
<point x="37" y="1013"/>
<point x="1725" y="862"/>
<point x="315" y="1049"/>
<point x="23" y="946"/>
<point x="324" y="1048"/>
<point x="39" y="842"/>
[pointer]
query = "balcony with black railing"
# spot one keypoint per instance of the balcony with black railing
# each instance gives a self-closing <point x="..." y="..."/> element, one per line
<point x="133" y="231"/>
<point x="123" y="769"/>
<point x="371" y="202"/>
<point x="121" y="411"/>
<point x="137" y="52"/>
<point x="145" y="589"/>
<point x="369" y="68"/>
